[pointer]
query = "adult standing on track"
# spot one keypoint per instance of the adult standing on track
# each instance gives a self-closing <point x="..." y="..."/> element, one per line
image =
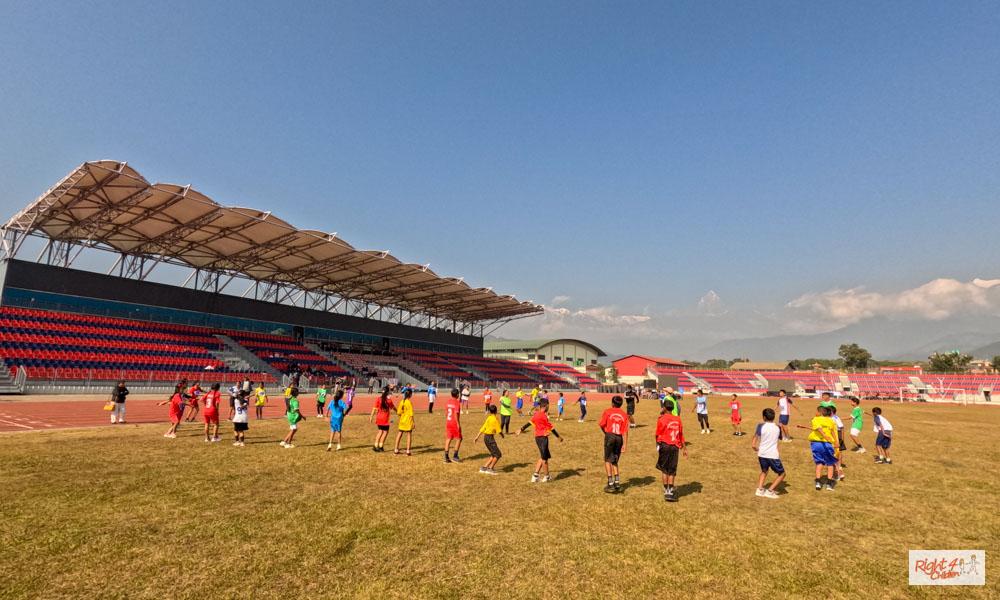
<point x="118" y="397"/>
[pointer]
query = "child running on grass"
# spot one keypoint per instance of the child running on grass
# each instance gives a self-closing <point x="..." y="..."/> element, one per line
<point x="405" y="412"/>
<point x="542" y="429"/>
<point x="669" y="443"/>
<point x="701" y="408"/>
<point x="520" y="402"/>
<point x="582" y="401"/>
<point x="822" y="441"/>
<point x="505" y="412"/>
<point x="857" y="421"/>
<point x="883" y="438"/>
<point x="294" y="416"/>
<point x="490" y="429"/>
<point x="381" y="414"/>
<point x="841" y="446"/>
<point x="631" y="399"/>
<point x="176" y="402"/>
<point x="765" y="442"/>
<point x="193" y="399"/>
<point x="336" y="413"/>
<point x="560" y="406"/>
<point x="321" y="400"/>
<point x="212" y="400"/>
<point x="240" y="421"/>
<point x="349" y="398"/>
<point x="453" y="426"/>
<point x="261" y="401"/>
<point x="615" y="425"/>
<point x="736" y="416"/>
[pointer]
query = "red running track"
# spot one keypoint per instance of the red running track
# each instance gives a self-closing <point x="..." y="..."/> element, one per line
<point x="39" y="413"/>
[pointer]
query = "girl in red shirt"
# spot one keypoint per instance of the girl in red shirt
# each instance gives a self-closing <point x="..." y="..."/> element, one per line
<point x="380" y="413"/>
<point x="176" y="402"/>
<point x="212" y="399"/>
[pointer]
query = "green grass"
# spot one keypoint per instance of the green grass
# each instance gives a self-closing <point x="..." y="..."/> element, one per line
<point x="126" y="513"/>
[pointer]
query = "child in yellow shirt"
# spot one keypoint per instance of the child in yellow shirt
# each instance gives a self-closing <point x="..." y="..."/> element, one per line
<point x="822" y="442"/>
<point x="405" y="412"/>
<point x="490" y="428"/>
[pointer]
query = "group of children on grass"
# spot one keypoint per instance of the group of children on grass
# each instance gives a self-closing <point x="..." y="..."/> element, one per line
<point x="826" y="430"/>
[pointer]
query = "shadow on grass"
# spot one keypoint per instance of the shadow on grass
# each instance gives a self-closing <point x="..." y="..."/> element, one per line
<point x="782" y="487"/>
<point x="693" y="487"/>
<point x="567" y="473"/>
<point x="479" y="456"/>
<point x="511" y="467"/>
<point x="639" y="481"/>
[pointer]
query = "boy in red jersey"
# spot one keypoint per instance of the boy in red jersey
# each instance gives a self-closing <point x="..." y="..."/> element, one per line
<point x="669" y="442"/>
<point x="542" y="428"/>
<point x="212" y="399"/>
<point x="615" y="425"/>
<point x="453" y="426"/>
<point x="736" y="417"/>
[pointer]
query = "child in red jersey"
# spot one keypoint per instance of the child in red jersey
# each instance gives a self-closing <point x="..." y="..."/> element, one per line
<point x="487" y="400"/>
<point x="736" y="417"/>
<point x="212" y="399"/>
<point x="615" y="425"/>
<point x="193" y="395"/>
<point x="381" y="413"/>
<point x="669" y="443"/>
<point x="176" y="402"/>
<point x="453" y="426"/>
<point x="542" y="428"/>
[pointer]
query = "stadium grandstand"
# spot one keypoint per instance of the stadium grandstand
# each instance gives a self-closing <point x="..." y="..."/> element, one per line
<point x="107" y="276"/>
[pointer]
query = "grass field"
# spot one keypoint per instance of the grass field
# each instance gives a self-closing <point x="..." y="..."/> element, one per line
<point x="123" y="512"/>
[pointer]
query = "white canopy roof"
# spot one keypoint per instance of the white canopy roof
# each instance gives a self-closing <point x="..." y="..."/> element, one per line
<point x="110" y="204"/>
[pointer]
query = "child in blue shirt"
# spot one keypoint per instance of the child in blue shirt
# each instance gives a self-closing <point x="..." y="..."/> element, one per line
<point x="336" y="411"/>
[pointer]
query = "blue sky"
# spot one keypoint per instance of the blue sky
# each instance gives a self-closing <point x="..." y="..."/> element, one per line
<point x="616" y="161"/>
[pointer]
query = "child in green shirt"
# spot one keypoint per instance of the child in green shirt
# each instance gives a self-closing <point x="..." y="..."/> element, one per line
<point x="294" y="416"/>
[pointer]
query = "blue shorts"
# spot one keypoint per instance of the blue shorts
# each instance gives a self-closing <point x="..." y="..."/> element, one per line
<point x="823" y="453"/>
<point x="773" y="464"/>
<point x="883" y="441"/>
<point x="783" y="419"/>
<point x="520" y="404"/>
<point x="336" y="424"/>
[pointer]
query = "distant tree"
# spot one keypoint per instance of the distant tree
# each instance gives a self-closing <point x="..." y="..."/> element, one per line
<point x="717" y="363"/>
<point x="795" y="365"/>
<point x="855" y="357"/>
<point x="949" y="362"/>
<point x="995" y="363"/>
<point x="611" y="374"/>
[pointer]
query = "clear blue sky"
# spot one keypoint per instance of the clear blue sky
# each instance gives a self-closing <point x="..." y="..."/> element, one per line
<point x="626" y="154"/>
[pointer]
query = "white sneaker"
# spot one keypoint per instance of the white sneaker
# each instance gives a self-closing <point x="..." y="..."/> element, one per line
<point x="338" y="446"/>
<point x="243" y="445"/>
<point x="216" y="439"/>
<point x="770" y="494"/>
<point x="482" y="470"/>
<point x="236" y="443"/>
<point x="861" y="451"/>
<point x="113" y="421"/>
<point x="491" y="472"/>
<point x="546" y="479"/>
<point x="208" y="441"/>
<point x="534" y="478"/>
<point x="760" y="492"/>
<point x="289" y="446"/>
<point x="282" y="443"/>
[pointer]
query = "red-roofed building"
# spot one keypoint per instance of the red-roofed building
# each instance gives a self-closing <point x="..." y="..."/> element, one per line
<point x="632" y="368"/>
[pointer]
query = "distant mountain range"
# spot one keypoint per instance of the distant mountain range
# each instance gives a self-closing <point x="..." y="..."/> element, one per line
<point x="886" y="339"/>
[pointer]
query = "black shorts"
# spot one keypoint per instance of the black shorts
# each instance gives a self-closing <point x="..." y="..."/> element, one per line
<point x="542" y="441"/>
<point x="241" y="426"/>
<point x="612" y="447"/>
<point x="666" y="460"/>
<point x="630" y="408"/>
<point x="491" y="445"/>
<point x="383" y="428"/>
